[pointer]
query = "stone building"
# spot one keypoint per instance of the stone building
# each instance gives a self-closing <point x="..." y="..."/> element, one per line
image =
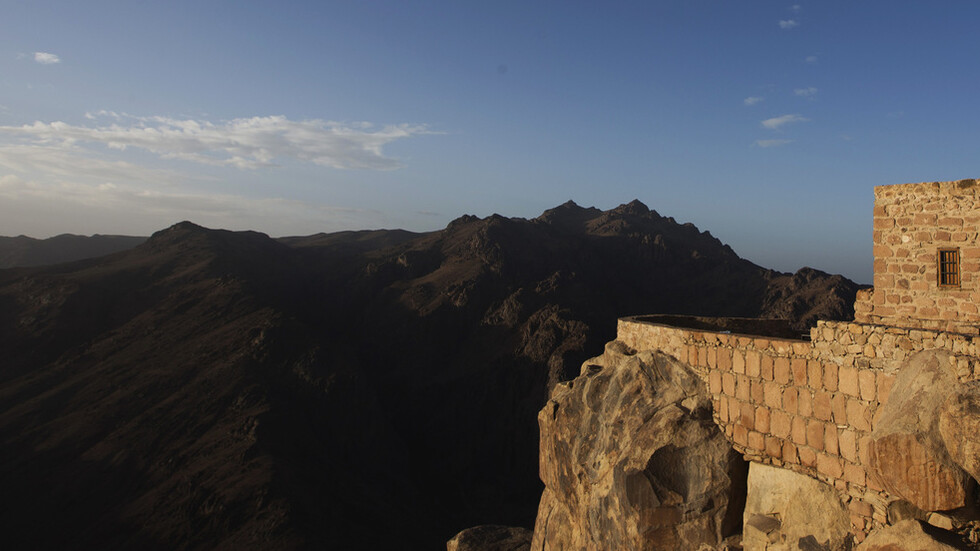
<point x="877" y="419"/>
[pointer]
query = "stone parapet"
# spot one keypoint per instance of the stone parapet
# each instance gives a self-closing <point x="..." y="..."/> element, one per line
<point x="787" y="403"/>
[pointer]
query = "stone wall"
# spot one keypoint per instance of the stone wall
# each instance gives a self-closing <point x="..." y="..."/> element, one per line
<point x="807" y="406"/>
<point x="912" y="222"/>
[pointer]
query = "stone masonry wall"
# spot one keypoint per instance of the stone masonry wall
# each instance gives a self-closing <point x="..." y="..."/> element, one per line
<point x="912" y="222"/>
<point x="806" y="406"/>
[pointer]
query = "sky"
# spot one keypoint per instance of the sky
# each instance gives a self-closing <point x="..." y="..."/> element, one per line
<point x="766" y="123"/>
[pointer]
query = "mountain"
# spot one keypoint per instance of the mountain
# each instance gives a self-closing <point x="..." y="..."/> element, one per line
<point x="27" y="251"/>
<point x="369" y="390"/>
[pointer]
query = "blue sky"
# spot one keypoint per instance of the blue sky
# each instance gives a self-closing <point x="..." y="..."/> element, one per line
<point x="766" y="123"/>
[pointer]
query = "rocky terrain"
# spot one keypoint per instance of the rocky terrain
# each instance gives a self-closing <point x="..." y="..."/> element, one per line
<point x="213" y="389"/>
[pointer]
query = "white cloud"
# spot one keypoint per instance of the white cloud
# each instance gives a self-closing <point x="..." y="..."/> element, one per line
<point x="788" y="23"/>
<point x="811" y="59"/>
<point x="776" y="123"/>
<point x="772" y="143"/>
<point x="752" y="100"/>
<point x="796" y="7"/>
<point x="806" y="92"/>
<point x="246" y="143"/>
<point x="45" y="58"/>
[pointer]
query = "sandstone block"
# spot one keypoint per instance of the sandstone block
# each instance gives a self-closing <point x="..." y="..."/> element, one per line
<point x="858" y="415"/>
<point x="847" y="381"/>
<point x="799" y="430"/>
<point x="804" y="403"/>
<point x="789" y="400"/>
<point x="830" y="439"/>
<point x="830" y="376"/>
<point x="781" y="424"/>
<point x="765" y="367"/>
<point x="866" y="383"/>
<point x="821" y="406"/>
<point x="781" y="370"/>
<point x="808" y="457"/>
<point x="773" y="394"/>
<point x="815" y="434"/>
<point x="799" y="371"/>
<point x="847" y="444"/>
<point x="814" y="372"/>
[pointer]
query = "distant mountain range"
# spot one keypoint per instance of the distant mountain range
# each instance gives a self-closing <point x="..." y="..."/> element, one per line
<point x="27" y="251"/>
<point x="208" y="389"/>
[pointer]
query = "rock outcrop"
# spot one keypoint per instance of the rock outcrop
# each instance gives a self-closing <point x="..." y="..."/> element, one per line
<point x="491" y="538"/>
<point x="788" y="510"/>
<point x="907" y="535"/>
<point x="907" y="451"/>
<point x="631" y="459"/>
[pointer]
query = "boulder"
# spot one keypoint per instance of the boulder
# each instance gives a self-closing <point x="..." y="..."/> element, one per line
<point x="907" y="535"/>
<point x="959" y="426"/>
<point x="788" y="510"/>
<point x="907" y="451"/>
<point x="491" y="538"/>
<point x="631" y="459"/>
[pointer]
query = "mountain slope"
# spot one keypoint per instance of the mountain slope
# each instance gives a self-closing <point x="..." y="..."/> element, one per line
<point x="213" y="389"/>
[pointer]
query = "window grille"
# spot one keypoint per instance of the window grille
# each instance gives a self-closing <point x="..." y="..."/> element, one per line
<point x="949" y="267"/>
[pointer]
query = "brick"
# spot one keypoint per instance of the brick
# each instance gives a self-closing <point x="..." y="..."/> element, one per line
<point x="753" y="363"/>
<point x="714" y="382"/>
<point x="781" y="372"/>
<point x="789" y="453"/>
<point x="858" y="415"/>
<point x="757" y="441"/>
<point x="799" y="371"/>
<point x="848" y="381"/>
<point x="728" y="383"/>
<point x="761" y="344"/>
<point x="765" y="367"/>
<point x="838" y="405"/>
<point x="702" y="357"/>
<point x="738" y="361"/>
<point x="830" y="377"/>
<point x="854" y="474"/>
<point x="722" y="409"/>
<point x="866" y="383"/>
<point x="885" y="382"/>
<point x="814" y="374"/>
<point x="829" y="465"/>
<point x="789" y="400"/>
<point x="713" y="357"/>
<point x="808" y="457"/>
<point x="821" y="406"/>
<point x="804" y="403"/>
<point x="757" y="391"/>
<point x="773" y="395"/>
<point x="740" y="435"/>
<point x="724" y="359"/>
<point x="814" y="434"/>
<point x="799" y="430"/>
<point x="747" y="415"/>
<point x="743" y="389"/>
<point x="864" y="450"/>
<point x="774" y="447"/>
<point x="780" y="424"/>
<point x="830" y="439"/>
<point x="762" y="419"/>
<point x="847" y="445"/>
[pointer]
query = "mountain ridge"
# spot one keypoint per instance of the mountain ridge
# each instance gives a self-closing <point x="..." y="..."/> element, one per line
<point x="238" y="389"/>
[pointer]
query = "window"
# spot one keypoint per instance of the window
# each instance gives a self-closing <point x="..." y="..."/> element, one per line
<point x="949" y="267"/>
